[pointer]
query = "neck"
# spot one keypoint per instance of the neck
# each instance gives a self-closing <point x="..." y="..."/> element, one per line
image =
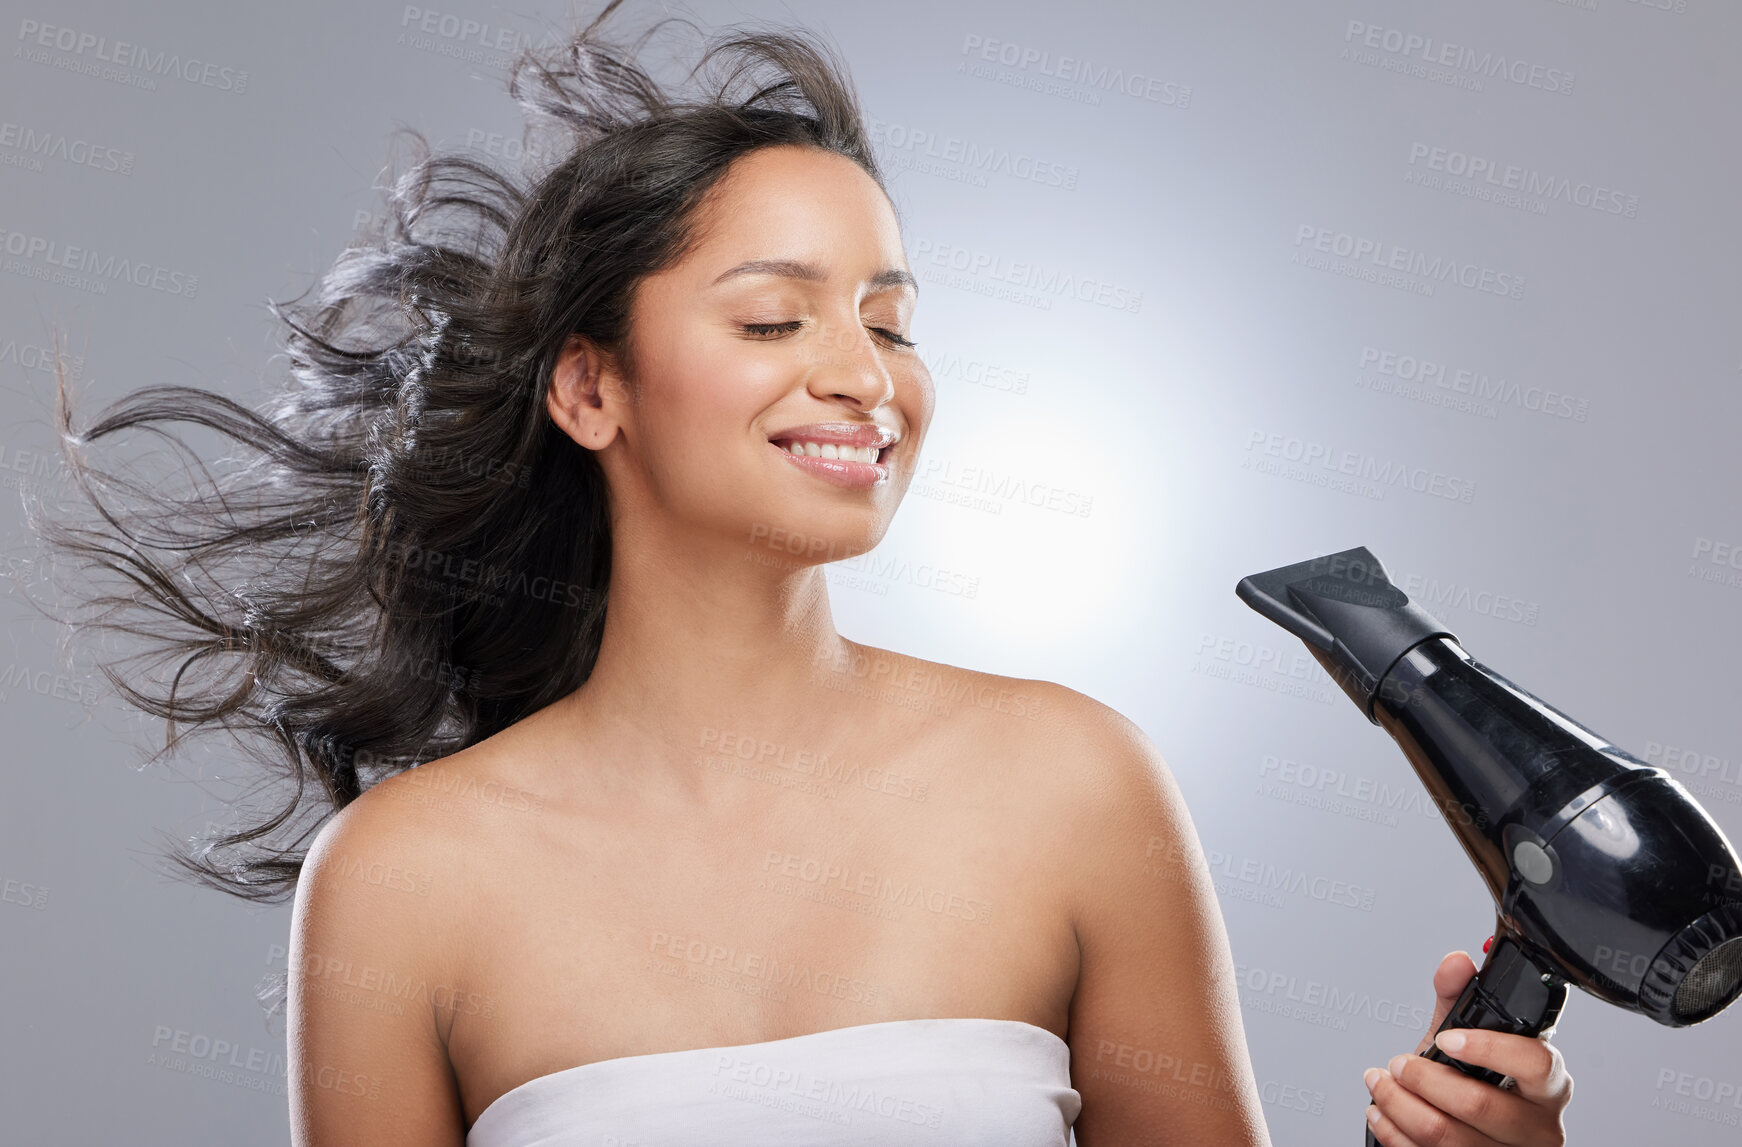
<point x="707" y="633"/>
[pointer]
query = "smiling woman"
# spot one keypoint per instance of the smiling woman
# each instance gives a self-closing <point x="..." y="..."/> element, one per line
<point x="661" y="857"/>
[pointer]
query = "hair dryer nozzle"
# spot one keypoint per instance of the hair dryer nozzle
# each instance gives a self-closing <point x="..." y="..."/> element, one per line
<point x="1351" y="617"/>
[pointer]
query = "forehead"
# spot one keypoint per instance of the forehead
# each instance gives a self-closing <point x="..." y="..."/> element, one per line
<point x="798" y="202"/>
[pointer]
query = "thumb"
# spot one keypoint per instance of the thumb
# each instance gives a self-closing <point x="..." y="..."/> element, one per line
<point x="1455" y="972"/>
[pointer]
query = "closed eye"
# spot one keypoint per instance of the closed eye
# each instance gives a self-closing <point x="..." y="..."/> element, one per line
<point x="766" y="329"/>
<point x="773" y="328"/>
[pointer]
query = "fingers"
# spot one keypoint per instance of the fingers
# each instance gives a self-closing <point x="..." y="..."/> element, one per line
<point x="1385" y="1132"/>
<point x="1400" y="1118"/>
<point x="1420" y="1103"/>
<point x="1536" y="1066"/>
<point x="1450" y="978"/>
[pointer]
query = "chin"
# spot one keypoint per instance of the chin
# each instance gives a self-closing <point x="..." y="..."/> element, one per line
<point x="817" y="535"/>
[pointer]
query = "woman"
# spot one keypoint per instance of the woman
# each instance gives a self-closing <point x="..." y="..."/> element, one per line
<point x="693" y="868"/>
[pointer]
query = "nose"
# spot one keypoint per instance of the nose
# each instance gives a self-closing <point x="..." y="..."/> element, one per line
<point x="847" y="365"/>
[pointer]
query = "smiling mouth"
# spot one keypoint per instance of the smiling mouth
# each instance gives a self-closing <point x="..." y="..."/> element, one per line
<point x="851" y="455"/>
<point x="810" y="448"/>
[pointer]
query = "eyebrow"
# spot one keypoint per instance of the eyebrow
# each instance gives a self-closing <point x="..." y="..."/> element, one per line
<point x="810" y="272"/>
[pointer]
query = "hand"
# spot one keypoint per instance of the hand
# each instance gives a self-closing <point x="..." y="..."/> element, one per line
<point x="1420" y="1103"/>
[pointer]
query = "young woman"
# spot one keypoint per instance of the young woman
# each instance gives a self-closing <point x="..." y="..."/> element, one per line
<point x="545" y="517"/>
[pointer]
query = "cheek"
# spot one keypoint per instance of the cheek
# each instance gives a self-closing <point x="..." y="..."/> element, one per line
<point x="706" y="393"/>
<point x="699" y="405"/>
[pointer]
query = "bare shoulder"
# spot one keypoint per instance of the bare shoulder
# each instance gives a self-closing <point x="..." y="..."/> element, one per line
<point x="1110" y="800"/>
<point x="377" y="964"/>
<point x="1015" y="709"/>
<point x="1090" y="768"/>
<point x="409" y="815"/>
<point x="388" y="860"/>
<point x="399" y="867"/>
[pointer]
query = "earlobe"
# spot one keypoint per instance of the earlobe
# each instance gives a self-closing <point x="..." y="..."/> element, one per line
<point x="581" y="398"/>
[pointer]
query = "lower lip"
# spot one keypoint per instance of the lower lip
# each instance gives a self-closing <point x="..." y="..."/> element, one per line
<point x="839" y="472"/>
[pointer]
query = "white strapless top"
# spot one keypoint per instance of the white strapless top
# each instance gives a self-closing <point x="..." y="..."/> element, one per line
<point x="949" y="1082"/>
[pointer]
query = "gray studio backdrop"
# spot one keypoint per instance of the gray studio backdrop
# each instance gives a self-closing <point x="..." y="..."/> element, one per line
<point x="1209" y="286"/>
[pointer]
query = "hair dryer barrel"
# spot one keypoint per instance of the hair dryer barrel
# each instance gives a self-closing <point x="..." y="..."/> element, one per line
<point x="1501" y="764"/>
<point x="1599" y="860"/>
<point x="1604" y="868"/>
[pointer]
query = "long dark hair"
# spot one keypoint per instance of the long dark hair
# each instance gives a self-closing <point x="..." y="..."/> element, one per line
<point x="411" y="556"/>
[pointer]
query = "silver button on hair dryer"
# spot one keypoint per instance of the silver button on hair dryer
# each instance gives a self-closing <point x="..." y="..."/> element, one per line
<point x="1605" y="873"/>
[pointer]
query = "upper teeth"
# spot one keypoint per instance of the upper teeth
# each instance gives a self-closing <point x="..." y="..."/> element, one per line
<point x="832" y="450"/>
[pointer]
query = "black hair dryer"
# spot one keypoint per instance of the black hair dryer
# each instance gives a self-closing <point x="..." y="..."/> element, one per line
<point x="1605" y="873"/>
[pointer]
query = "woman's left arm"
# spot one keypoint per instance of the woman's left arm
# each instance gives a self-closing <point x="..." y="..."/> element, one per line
<point x="1420" y="1103"/>
<point x="1158" y="1051"/>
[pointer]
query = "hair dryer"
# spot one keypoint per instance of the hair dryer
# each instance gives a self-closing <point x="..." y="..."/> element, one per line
<point x="1605" y="872"/>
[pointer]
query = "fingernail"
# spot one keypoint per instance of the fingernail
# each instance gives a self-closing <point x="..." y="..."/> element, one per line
<point x="1371" y="1077"/>
<point x="1451" y="1041"/>
<point x="1372" y="1115"/>
<point x="1396" y="1064"/>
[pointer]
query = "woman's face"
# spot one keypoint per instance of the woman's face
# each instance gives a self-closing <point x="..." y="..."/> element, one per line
<point x="783" y="325"/>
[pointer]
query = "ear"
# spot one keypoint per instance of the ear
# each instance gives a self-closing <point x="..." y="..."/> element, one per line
<point x="587" y="397"/>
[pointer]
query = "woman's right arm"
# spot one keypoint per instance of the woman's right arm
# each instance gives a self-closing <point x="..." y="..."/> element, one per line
<point x="368" y="1063"/>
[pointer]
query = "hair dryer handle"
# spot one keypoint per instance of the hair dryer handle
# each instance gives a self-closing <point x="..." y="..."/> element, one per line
<point x="1509" y="993"/>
